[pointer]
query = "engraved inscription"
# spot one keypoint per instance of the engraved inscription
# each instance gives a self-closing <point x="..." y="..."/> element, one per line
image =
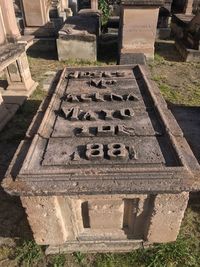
<point x="104" y="130"/>
<point x="114" y="151"/>
<point x="85" y="98"/>
<point x="95" y="74"/>
<point x="76" y="114"/>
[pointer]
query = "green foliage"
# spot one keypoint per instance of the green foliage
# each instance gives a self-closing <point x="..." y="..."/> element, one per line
<point x="58" y="260"/>
<point x="79" y="257"/>
<point x="104" y="7"/>
<point x="28" y="253"/>
<point x="178" y="253"/>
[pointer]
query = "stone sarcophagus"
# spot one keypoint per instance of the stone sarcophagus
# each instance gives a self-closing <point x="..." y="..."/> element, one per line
<point x="107" y="168"/>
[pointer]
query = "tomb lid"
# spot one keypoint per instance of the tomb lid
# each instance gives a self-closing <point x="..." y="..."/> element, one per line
<point x="10" y="52"/>
<point x="106" y="130"/>
<point x="143" y="2"/>
<point x="81" y="27"/>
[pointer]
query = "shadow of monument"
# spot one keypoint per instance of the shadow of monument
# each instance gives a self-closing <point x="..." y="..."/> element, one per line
<point x="167" y="50"/>
<point x="37" y="53"/>
<point x="13" y="220"/>
<point x="188" y="118"/>
<point x="108" y="53"/>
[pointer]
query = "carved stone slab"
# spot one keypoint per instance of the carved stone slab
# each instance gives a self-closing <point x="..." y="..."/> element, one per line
<point x="106" y="130"/>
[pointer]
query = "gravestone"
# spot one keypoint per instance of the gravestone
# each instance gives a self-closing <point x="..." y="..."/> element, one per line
<point x="78" y="37"/>
<point x="188" y="44"/>
<point x="138" y="26"/>
<point x="164" y="20"/>
<point x="107" y="147"/>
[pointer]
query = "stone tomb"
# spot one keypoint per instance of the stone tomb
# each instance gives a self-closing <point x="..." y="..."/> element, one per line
<point x="138" y="27"/>
<point x="107" y="147"/>
<point x="43" y="18"/>
<point x="78" y="37"/>
<point x="188" y="41"/>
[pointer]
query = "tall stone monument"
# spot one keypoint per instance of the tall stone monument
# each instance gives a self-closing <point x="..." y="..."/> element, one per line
<point x="138" y="26"/>
<point x="13" y="61"/>
<point x="37" y="16"/>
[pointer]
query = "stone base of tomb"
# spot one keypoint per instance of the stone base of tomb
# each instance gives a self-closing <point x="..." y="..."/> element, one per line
<point x="17" y="94"/>
<point x="132" y="58"/>
<point x="189" y="55"/>
<point x="78" y="38"/>
<point x="80" y="225"/>
<point x="77" y="49"/>
<point x="97" y="246"/>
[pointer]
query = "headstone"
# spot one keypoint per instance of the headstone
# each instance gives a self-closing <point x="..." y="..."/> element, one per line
<point x="43" y="18"/>
<point x="107" y="147"/>
<point x="138" y="26"/>
<point x="164" y="21"/>
<point x="78" y="38"/>
<point x="188" y="43"/>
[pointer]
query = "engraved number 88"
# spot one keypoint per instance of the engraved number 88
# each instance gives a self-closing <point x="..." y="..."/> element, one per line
<point x="113" y="151"/>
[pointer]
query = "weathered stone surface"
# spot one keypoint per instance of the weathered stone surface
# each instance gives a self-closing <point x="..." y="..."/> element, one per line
<point x="36" y="12"/>
<point x="105" y="221"/>
<point x="78" y="38"/>
<point x="167" y="215"/>
<point x="106" y="122"/>
<point x="138" y="27"/>
<point x="108" y="164"/>
<point x="187" y="32"/>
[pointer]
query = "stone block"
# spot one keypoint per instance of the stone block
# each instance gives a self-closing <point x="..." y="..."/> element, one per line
<point x="77" y="49"/>
<point x="36" y="12"/>
<point x="78" y="38"/>
<point x="166" y="218"/>
<point x="138" y="27"/>
<point x="62" y="220"/>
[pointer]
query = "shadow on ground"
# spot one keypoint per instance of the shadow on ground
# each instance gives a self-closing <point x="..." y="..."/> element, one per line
<point x="167" y="50"/>
<point x="188" y="119"/>
<point x="13" y="221"/>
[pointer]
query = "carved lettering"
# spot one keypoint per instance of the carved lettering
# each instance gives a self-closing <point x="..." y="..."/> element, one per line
<point x="116" y="97"/>
<point x="127" y="113"/>
<point x="95" y="74"/>
<point x="72" y="113"/>
<point x="99" y="98"/>
<point x="94" y="151"/>
<point x="90" y="116"/>
<point x="85" y="98"/>
<point x="75" y="114"/>
<point x="106" y="130"/>
<point x="117" y="151"/>
<point x="108" y="114"/>
<point x="114" y="151"/>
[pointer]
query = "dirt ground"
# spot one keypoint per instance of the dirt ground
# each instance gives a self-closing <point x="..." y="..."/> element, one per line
<point x="180" y="84"/>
